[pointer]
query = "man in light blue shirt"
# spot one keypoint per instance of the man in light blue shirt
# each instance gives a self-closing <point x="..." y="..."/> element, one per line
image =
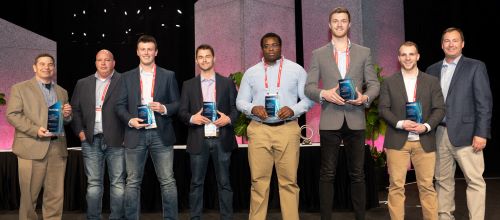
<point x="269" y="94"/>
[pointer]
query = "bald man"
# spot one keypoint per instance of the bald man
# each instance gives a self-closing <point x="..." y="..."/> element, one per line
<point x="101" y="134"/>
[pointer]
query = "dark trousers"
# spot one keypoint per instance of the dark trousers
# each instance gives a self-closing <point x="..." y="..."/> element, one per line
<point x="354" y="143"/>
<point x="199" y="162"/>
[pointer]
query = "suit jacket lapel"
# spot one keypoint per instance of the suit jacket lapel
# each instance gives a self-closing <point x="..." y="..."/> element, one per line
<point x="218" y="88"/>
<point x="136" y="85"/>
<point x="111" y="86"/>
<point x="456" y="74"/>
<point x="158" y="79"/>
<point x="40" y="101"/>
<point x="401" y="86"/>
<point x="334" y="66"/>
<point x="420" y="86"/>
<point x="198" y="94"/>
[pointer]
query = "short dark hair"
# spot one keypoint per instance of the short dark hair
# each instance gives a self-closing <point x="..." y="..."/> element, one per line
<point x="269" y="35"/>
<point x="147" y="39"/>
<point x="204" y="47"/>
<point x="44" y="55"/>
<point x="339" y="10"/>
<point x="451" y="29"/>
<point x="408" y="44"/>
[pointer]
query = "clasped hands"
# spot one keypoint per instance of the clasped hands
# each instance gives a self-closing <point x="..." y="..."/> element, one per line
<point x="414" y="127"/>
<point x="331" y="95"/>
<point x="260" y="111"/>
<point x="199" y="119"/>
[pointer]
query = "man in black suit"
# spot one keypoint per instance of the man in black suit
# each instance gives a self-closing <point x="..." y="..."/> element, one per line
<point x="101" y="134"/>
<point x="411" y="138"/>
<point x="209" y="135"/>
<point x="152" y="90"/>
<point x="462" y="134"/>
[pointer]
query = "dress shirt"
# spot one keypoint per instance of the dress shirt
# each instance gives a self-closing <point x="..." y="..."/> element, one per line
<point x="49" y="95"/>
<point x="447" y="72"/>
<point x="100" y="87"/>
<point x="252" y="90"/>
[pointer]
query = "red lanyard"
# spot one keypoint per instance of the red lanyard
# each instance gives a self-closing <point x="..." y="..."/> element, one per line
<point x="153" y="83"/>
<point x="336" y="57"/>
<point x="105" y="91"/>
<point x="415" y="90"/>
<point x="278" y="84"/>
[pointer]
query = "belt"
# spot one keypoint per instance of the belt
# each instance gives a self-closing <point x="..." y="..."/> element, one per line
<point x="53" y="138"/>
<point x="442" y="124"/>
<point x="100" y="135"/>
<point x="275" y="123"/>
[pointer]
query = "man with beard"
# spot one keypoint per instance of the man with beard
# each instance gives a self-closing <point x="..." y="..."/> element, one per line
<point x="268" y="95"/>
<point x="208" y="106"/>
<point x="412" y="104"/>
<point x="342" y="120"/>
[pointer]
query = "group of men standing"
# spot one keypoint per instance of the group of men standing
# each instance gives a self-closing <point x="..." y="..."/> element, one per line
<point x="107" y="114"/>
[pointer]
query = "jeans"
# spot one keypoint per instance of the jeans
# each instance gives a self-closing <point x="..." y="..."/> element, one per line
<point x="94" y="158"/>
<point x="199" y="163"/>
<point x="162" y="157"/>
<point x="355" y="150"/>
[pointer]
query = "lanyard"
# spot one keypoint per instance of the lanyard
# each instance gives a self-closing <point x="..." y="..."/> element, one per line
<point x="279" y="77"/>
<point x="103" y="95"/>
<point x="415" y="90"/>
<point x="335" y="55"/>
<point x="153" y="83"/>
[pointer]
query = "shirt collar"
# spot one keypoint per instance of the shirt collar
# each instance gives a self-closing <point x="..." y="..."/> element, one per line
<point x="455" y="61"/>
<point x="348" y="44"/>
<point x="96" y="75"/>
<point x="277" y="61"/>
<point x="207" y="79"/>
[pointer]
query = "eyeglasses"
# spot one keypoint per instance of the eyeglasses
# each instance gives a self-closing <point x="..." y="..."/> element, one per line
<point x="273" y="46"/>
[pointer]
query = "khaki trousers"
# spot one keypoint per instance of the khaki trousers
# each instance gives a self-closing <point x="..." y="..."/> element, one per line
<point x="423" y="162"/>
<point x="278" y="146"/>
<point x="472" y="165"/>
<point x="33" y="174"/>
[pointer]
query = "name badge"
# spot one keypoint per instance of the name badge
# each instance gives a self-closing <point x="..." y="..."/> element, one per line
<point x="272" y="105"/>
<point x="98" y="114"/>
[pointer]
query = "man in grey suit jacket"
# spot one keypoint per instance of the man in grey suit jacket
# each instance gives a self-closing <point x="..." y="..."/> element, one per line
<point x="209" y="87"/>
<point x="41" y="156"/>
<point x="342" y="121"/>
<point x="101" y="134"/>
<point x="155" y="91"/>
<point x="462" y="134"/>
<point x="411" y="138"/>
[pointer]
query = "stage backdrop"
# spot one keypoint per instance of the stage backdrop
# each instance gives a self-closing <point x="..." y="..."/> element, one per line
<point x="18" y="48"/>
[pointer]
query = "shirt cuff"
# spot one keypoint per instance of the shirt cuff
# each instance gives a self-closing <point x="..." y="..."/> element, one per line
<point x="164" y="110"/>
<point x="428" y="127"/>
<point x="399" y="125"/>
<point x="191" y="120"/>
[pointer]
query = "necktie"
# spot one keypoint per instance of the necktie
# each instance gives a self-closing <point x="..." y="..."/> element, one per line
<point x="47" y="86"/>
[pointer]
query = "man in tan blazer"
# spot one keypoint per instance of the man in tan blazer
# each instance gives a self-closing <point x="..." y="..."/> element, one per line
<point x="41" y="156"/>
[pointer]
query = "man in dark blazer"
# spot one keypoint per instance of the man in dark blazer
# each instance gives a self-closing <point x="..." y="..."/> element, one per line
<point x="462" y="134"/>
<point x="406" y="139"/>
<point x="211" y="87"/>
<point x="342" y="121"/>
<point x="155" y="90"/>
<point x="41" y="156"/>
<point x="101" y="134"/>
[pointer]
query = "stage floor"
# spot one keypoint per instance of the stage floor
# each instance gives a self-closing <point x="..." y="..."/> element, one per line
<point x="413" y="210"/>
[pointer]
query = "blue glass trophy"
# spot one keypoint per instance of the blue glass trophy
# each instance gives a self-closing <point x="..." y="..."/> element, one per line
<point x="346" y="89"/>
<point x="143" y="113"/>
<point x="414" y="112"/>
<point x="210" y="111"/>
<point x="55" y="119"/>
<point x="272" y="105"/>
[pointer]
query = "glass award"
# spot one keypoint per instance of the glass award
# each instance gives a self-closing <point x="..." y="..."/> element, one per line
<point x="272" y="105"/>
<point x="55" y="119"/>
<point x="210" y="111"/>
<point x="143" y="113"/>
<point x="414" y="112"/>
<point x="347" y="90"/>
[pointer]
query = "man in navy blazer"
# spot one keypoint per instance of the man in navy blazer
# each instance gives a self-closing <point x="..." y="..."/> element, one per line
<point x="101" y="134"/>
<point x="209" y="87"/>
<point x="155" y="91"/>
<point x="462" y="134"/>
